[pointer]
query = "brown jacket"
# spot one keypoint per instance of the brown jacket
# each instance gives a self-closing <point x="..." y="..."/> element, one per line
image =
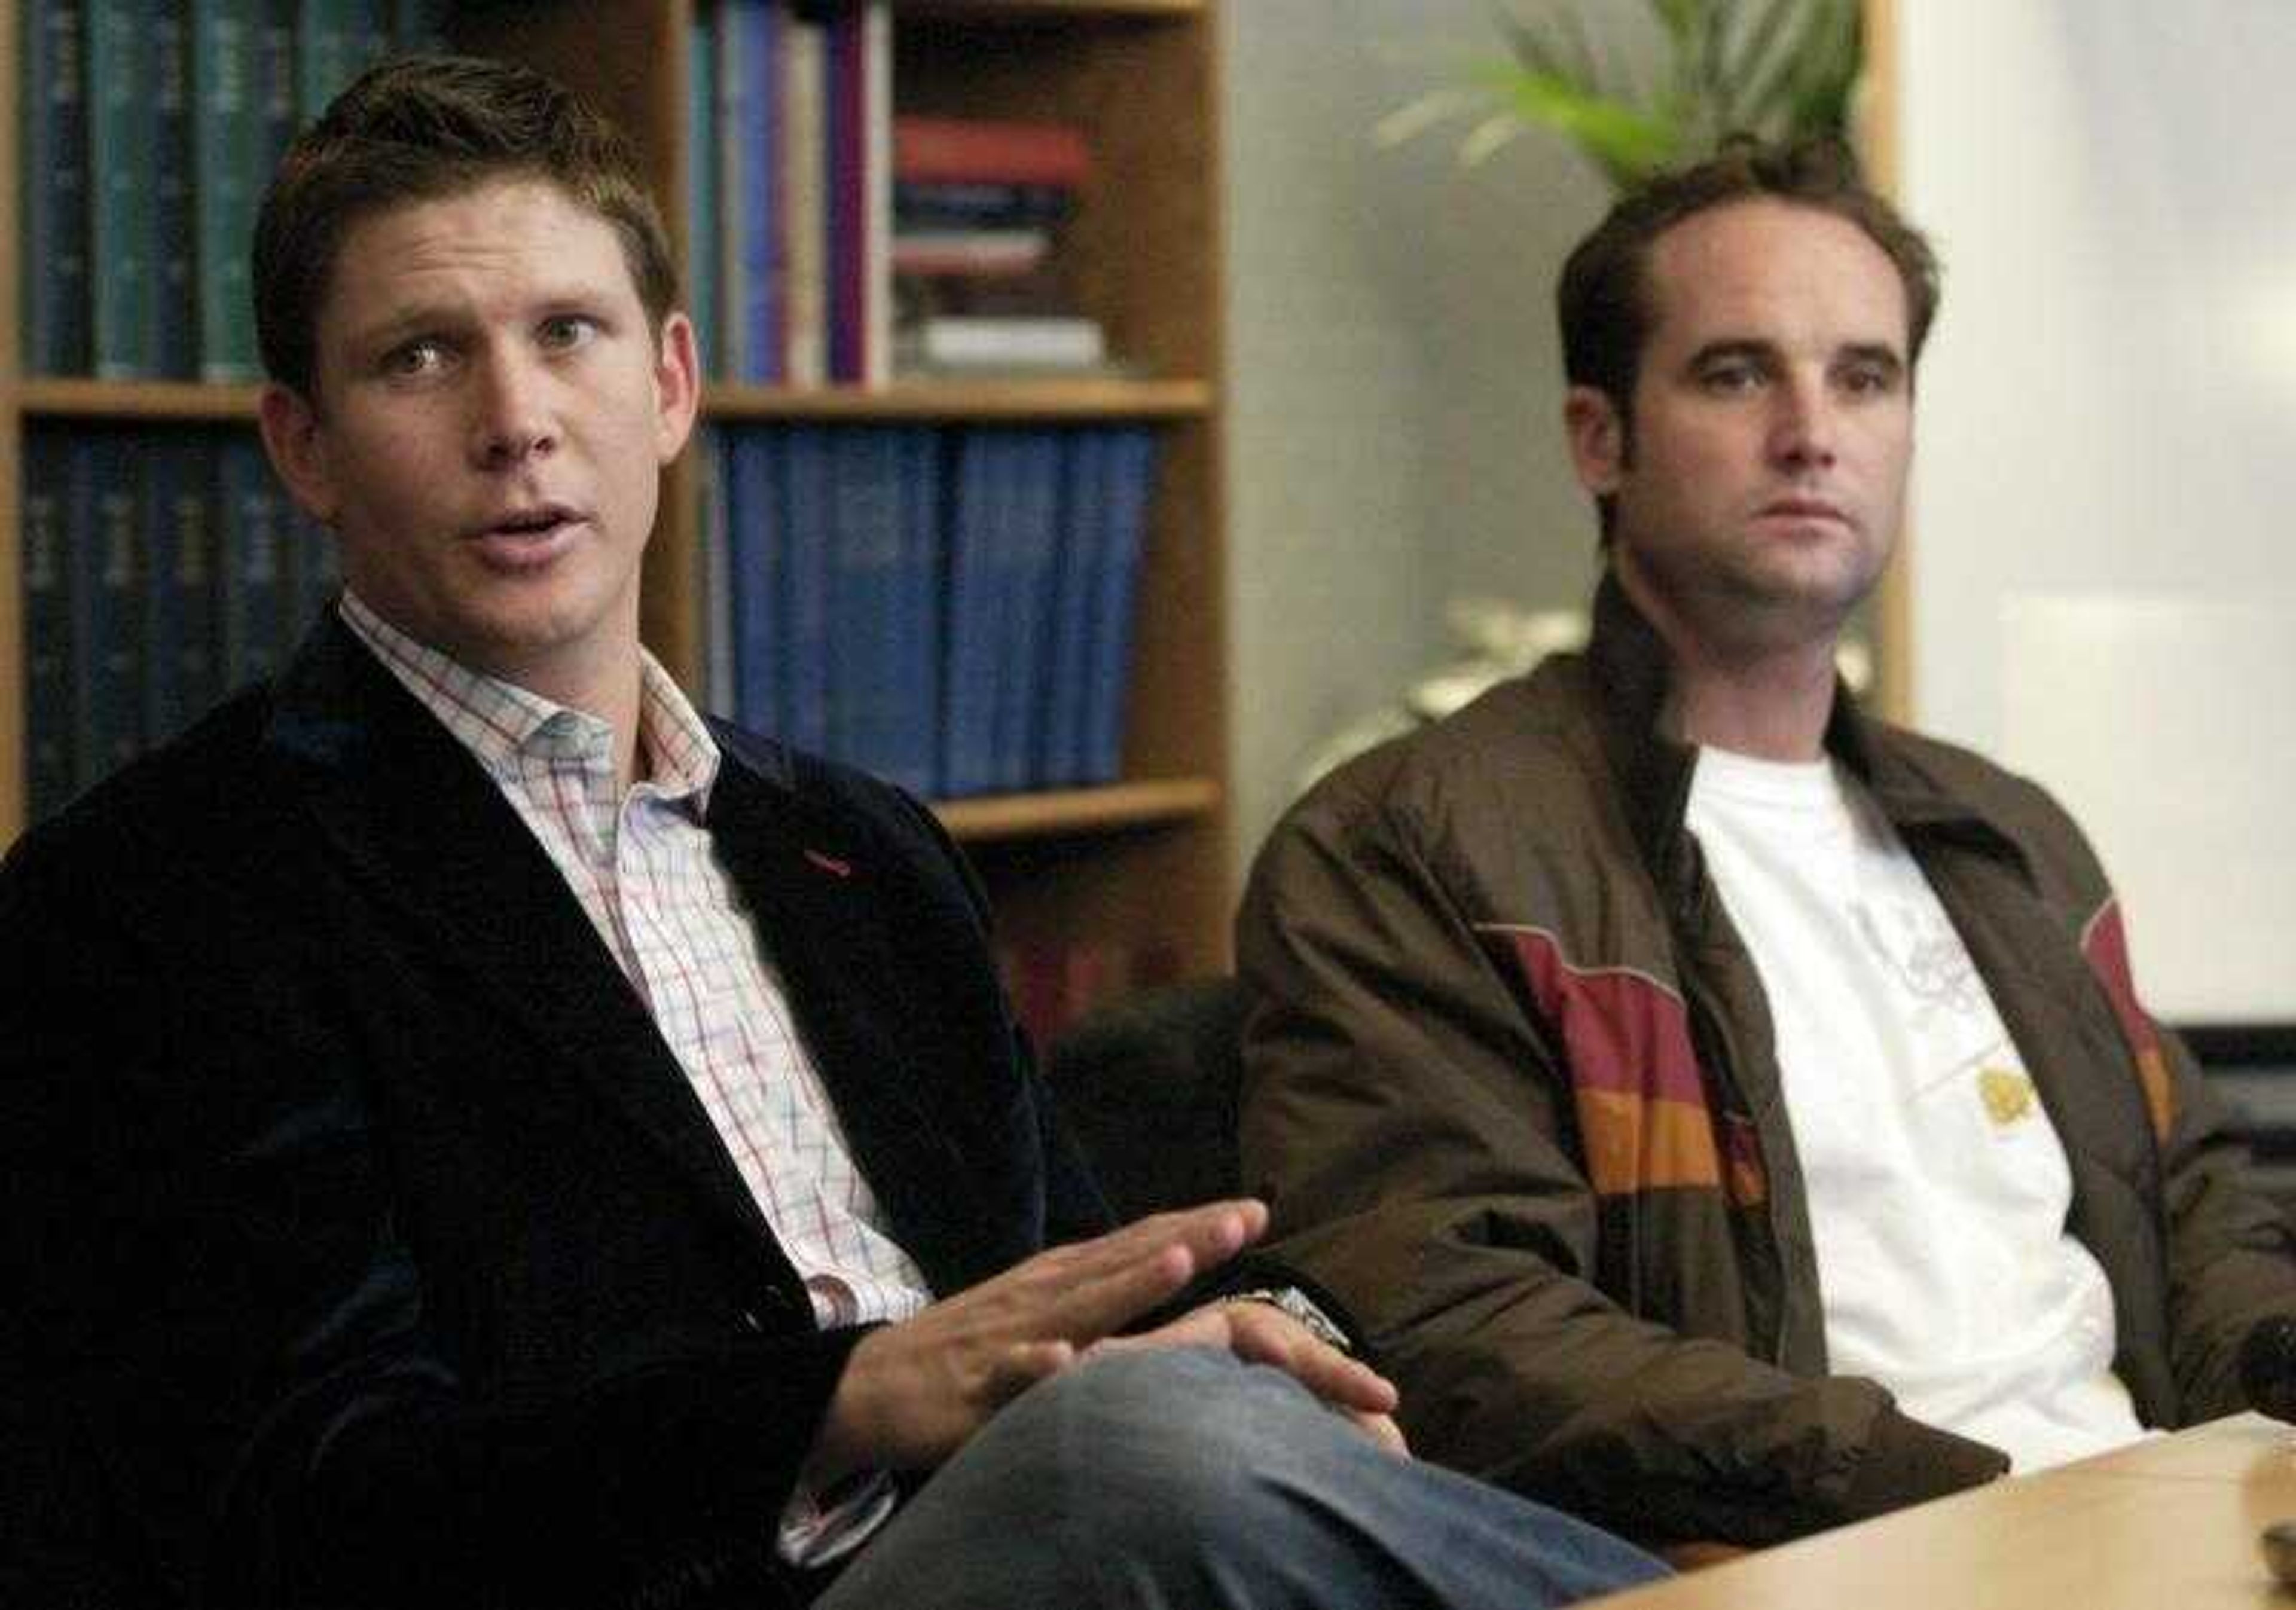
<point x="1512" y="1090"/>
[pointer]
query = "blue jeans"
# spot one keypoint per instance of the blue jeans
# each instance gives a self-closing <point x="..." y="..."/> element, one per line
<point x="1181" y="1479"/>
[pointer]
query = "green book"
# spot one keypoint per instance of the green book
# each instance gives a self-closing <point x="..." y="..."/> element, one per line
<point x="54" y="191"/>
<point x="123" y="130"/>
<point x="227" y="179"/>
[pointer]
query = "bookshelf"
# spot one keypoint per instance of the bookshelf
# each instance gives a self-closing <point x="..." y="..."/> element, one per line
<point x="1142" y="862"/>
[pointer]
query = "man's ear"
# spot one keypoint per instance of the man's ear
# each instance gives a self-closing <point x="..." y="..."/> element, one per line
<point x="1597" y="437"/>
<point x="677" y="385"/>
<point x="291" y="434"/>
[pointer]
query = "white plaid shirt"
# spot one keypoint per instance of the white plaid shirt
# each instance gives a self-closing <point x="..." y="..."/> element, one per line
<point x="644" y="870"/>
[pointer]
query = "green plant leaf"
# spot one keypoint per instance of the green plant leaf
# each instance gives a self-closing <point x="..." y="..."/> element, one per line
<point x="1626" y="141"/>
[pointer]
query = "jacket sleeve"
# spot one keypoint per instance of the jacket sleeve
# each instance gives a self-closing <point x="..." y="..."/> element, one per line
<point x="232" y="1345"/>
<point x="2232" y="1256"/>
<point x="1412" y="1124"/>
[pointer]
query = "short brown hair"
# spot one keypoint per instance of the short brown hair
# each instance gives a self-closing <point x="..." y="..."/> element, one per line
<point x="422" y="127"/>
<point x="1604" y="297"/>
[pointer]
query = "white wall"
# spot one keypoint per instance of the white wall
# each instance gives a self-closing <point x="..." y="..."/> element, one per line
<point x="2101" y="584"/>
<point x="1394" y="376"/>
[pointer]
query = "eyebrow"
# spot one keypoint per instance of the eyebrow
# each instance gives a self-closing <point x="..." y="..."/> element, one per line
<point x="1881" y="353"/>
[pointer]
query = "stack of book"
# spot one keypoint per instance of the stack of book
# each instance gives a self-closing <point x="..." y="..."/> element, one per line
<point x="978" y="206"/>
<point x="163" y="566"/>
<point x="150" y="131"/>
<point x="791" y="115"/>
<point x="951" y="609"/>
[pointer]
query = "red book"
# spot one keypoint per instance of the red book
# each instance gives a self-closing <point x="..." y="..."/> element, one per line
<point x="977" y="151"/>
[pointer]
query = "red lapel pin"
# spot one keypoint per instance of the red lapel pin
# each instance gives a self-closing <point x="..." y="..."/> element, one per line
<point x="830" y="864"/>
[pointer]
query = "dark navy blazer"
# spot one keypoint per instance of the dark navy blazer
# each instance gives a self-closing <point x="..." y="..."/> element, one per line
<point x="362" y="1224"/>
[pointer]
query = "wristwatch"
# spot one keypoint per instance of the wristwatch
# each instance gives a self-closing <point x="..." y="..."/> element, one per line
<point x="1290" y="1300"/>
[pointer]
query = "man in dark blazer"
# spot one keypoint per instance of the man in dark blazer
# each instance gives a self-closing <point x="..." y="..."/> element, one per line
<point x="413" y="1202"/>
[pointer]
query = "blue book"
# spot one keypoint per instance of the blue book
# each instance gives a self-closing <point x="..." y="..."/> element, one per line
<point x="315" y="569"/>
<point x="916" y="609"/>
<point x="714" y="608"/>
<point x="227" y="175"/>
<point x="728" y="90"/>
<point x="971" y="660"/>
<point x="1060" y="759"/>
<point x="1131" y="485"/>
<point x="754" y="546"/>
<point x="123" y="130"/>
<point x="182" y="580"/>
<point x="174" y="303"/>
<point x="54" y="191"/>
<point x="107" y="583"/>
<point x="251" y="519"/>
<point x="753" y="213"/>
<point x="1029" y="547"/>
<point x="704" y="177"/>
<point x="808" y="529"/>
<point x="865" y="725"/>
<point x="49" y="700"/>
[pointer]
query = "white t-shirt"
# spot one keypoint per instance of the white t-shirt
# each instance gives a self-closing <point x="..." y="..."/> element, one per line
<point x="1937" y="1188"/>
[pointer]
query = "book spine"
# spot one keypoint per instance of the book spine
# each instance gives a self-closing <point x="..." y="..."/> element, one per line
<point x="175" y="306"/>
<point x="847" y="91"/>
<point x="108" y="609"/>
<point x="182" y="580"/>
<point x="756" y="135"/>
<point x="729" y="94"/>
<point x="276" y="93"/>
<point x="805" y="223"/>
<point x="702" y="180"/>
<point x="976" y="595"/>
<point x="49" y="698"/>
<point x="1131" y="485"/>
<point x="55" y="200"/>
<point x="251" y="516"/>
<point x="1032" y="538"/>
<point x="121" y="194"/>
<point x="980" y="205"/>
<point x="921" y="606"/>
<point x="1061" y="752"/>
<point x="227" y="114"/>
<point x="715" y="606"/>
<point x="808" y="519"/>
<point x="314" y="570"/>
<point x="971" y="149"/>
<point x="755" y="544"/>
<point x="877" y="219"/>
<point x="865" y="695"/>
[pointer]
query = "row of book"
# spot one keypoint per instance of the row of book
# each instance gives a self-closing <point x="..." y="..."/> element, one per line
<point x="950" y="608"/>
<point x="162" y="568"/>
<point x="150" y="132"/>
<point x="829" y="235"/>
<point x="789" y="136"/>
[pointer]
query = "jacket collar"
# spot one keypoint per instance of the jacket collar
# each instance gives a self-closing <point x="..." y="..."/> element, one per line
<point x="1633" y="678"/>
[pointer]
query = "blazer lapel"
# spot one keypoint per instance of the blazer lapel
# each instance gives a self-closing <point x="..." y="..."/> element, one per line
<point x="429" y="832"/>
<point x="821" y="906"/>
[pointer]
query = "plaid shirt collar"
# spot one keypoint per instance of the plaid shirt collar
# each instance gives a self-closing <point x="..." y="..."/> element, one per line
<point x="508" y="728"/>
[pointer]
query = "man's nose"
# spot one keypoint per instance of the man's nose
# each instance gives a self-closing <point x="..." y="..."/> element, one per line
<point x="511" y="418"/>
<point x="1803" y="435"/>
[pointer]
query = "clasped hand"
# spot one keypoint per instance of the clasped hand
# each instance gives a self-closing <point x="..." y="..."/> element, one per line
<point x="913" y="1393"/>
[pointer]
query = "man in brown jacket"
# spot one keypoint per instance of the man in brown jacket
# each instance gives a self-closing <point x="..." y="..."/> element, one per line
<point x="1730" y="1116"/>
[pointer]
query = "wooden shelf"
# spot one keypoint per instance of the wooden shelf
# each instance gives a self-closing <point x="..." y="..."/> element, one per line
<point x="1032" y="398"/>
<point x="131" y="400"/>
<point x="1130" y="804"/>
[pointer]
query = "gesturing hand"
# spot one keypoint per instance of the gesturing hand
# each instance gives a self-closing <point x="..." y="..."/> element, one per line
<point x="1262" y="1333"/>
<point x="911" y="1394"/>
